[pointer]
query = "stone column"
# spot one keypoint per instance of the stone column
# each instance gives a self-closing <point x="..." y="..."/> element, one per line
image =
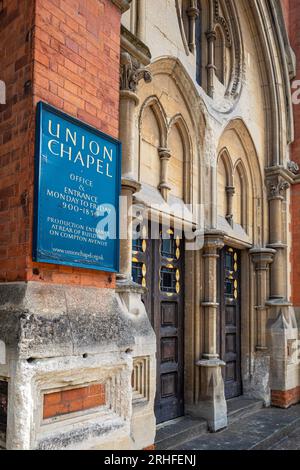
<point x="211" y="68"/>
<point x="141" y="20"/>
<point x="131" y="74"/>
<point x="262" y="258"/>
<point x="193" y="13"/>
<point x="164" y="155"/>
<point x="277" y="187"/>
<point x="283" y="331"/>
<point x="129" y="187"/>
<point x="230" y="191"/>
<point x="212" y="404"/>
<point x="211" y="38"/>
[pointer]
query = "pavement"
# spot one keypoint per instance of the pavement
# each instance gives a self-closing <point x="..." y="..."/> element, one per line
<point x="290" y="442"/>
<point x="266" y="429"/>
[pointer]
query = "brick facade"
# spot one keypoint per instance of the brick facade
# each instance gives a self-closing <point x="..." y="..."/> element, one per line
<point x="66" y="54"/>
<point x="292" y="12"/>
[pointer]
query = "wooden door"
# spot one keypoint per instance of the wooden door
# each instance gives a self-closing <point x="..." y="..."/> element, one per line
<point x="230" y="320"/>
<point x="158" y="265"/>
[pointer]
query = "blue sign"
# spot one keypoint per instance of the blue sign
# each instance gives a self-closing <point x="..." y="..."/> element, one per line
<point x="77" y="188"/>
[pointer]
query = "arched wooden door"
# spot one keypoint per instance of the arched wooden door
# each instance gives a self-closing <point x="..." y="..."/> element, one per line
<point x="158" y="265"/>
<point x="230" y="319"/>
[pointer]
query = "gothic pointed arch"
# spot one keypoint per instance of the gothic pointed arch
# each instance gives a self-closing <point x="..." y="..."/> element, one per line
<point x="156" y="107"/>
<point x="227" y="162"/>
<point x="249" y="204"/>
<point x="153" y="136"/>
<point x="178" y="124"/>
<point x="241" y="196"/>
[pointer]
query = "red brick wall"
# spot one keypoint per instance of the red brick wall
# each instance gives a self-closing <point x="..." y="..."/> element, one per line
<point x="71" y="401"/>
<point x="285" y="399"/>
<point x="16" y="149"/>
<point x="67" y="54"/>
<point x="294" y="30"/>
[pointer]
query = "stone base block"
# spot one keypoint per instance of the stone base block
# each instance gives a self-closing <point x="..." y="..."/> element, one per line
<point x="212" y="404"/>
<point x="68" y="357"/>
<point x="285" y="398"/>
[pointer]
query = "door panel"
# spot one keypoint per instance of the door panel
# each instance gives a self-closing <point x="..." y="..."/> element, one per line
<point x="162" y="265"/>
<point x="230" y="323"/>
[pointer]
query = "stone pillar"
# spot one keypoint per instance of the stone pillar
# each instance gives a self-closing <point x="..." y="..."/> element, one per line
<point x="164" y="155"/>
<point x="212" y="404"/>
<point x="131" y="74"/>
<point x="211" y="38"/>
<point x="277" y="187"/>
<point x="262" y="258"/>
<point x="283" y="330"/>
<point x="193" y="13"/>
<point x="129" y="187"/>
<point x="230" y="191"/>
<point x="141" y="20"/>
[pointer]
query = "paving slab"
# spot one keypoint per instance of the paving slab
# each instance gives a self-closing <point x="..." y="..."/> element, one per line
<point x="261" y="430"/>
<point x="290" y="442"/>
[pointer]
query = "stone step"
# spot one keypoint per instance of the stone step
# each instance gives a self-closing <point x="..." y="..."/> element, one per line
<point x="239" y="408"/>
<point x="176" y="432"/>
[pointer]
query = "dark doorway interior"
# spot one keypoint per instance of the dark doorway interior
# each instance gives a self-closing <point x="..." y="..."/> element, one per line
<point x="230" y="319"/>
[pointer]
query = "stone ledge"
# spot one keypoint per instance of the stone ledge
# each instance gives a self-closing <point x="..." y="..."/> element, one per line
<point x="44" y="320"/>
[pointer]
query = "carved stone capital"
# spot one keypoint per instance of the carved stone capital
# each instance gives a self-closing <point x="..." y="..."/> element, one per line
<point x="164" y="153"/>
<point x="230" y="190"/>
<point x="262" y="257"/>
<point x="193" y="11"/>
<point x="131" y="73"/>
<point x="277" y="187"/>
<point x="211" y="36"/>
<point x="130" y="184"/>
<point x="213" y="242"/>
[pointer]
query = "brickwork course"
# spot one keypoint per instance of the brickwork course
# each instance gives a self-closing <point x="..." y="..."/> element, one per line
<point x="74" y="400"/>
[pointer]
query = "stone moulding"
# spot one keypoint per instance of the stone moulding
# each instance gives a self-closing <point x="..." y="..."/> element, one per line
<point x="124" y="5"/>
<point x="135" y="47"/>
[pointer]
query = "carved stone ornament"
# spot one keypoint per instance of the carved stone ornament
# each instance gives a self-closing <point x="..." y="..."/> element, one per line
<point x="132" y="73"/>
<point x="293" y="167"/>
<point x="222" y="22"/>
<point x="277" y="188"/>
